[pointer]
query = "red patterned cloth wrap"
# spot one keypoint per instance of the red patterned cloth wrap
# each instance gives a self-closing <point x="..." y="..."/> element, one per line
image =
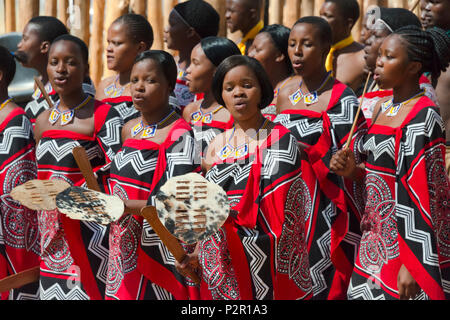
<point x="336" y="204"/>
<point x="406" y="219"/>
<point x="75" y="253"/>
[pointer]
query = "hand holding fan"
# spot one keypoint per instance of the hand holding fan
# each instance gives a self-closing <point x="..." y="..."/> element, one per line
<point x="188" y="208"/>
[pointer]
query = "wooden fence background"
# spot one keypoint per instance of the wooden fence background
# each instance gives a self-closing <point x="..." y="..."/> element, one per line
<point x="90" y="19"/>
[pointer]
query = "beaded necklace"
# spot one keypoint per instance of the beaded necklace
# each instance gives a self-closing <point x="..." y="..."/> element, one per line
<point x="149" y="131"/>
<point x="204" y="117"/>
<point x="66" y="116"/>
<point x="5" y="103"/>
<point x="242" y="150"/>
<point x="112" y="90"/>
<point x="309" y="98"/>
<point x="394" y="108"/>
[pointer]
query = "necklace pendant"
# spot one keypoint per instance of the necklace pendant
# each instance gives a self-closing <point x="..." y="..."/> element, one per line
<point x="109" y="90"/>
<point x="207" y="118"/>
<point x="66" y="117"/>
<point x="296" y="96"/>
<point x="386" y="105"/>
<point x="394" y="110"/>
<point x="311" y="98"/>
<point x="241" y="151"/>
<point x="196" y="116"/>
<point x="136" y="129"/>
<point x="225" y="152"/>
<point x="54" y="116"/>
<point x="149" y="132"/>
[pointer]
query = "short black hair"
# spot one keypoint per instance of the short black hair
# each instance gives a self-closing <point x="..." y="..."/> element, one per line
<point x="349" y="9"/>
<point x="80" y="43"/>
<point x="49" y="28"/>
<point x="322" y="26"/>
<point x="218" y="49"/>
<point x="165" y="61"/>
<point x="279" y="35"/>
<point x="430" y="47"/>
<point x="201" y="16"/>
<point x="7" y="65"/>
<point x="253" y="64"/>
<point x="138" y="28"/>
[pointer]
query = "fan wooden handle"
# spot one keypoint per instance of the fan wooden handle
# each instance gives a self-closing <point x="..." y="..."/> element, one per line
<point x="20" y="279"/>
<point x="172" y="243"/>
<point x="41" y="87"/>
<point x="80" y="155"/>
<point x="350" y="135"/>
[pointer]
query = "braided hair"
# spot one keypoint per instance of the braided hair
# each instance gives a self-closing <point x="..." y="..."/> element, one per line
<point x="431" y="48"/>
<point x="138" y="28"/>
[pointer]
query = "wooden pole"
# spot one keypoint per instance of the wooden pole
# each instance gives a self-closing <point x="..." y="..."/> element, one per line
<point x="114" y="9"/>
<point x="2" y="17"/>
<point x="167" y="8"/>
<point x="80" y="20"/>
<point x="220" y="7"/>
<point x="50" y="8"/>
<point x="139" y="7"/>
<point x="291" y="12"/>
<point x="155" y="16"/>
<point x="398" y="4"/>
<point x="27" y="10"/>
<point x="276" y="11"/>
<point x="317" y="5"/>
<point x="96" y="42"/>
<point x="10" y="16"/>
<point x="307" y="7"/>
<point x="356" y="31"/>
<point x="61" y="11"/>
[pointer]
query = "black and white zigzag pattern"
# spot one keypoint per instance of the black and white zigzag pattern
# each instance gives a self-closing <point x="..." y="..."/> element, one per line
<point x="95" y="247"/>
<point x="150" y="238"/>
<point x="317" y="270"/>
<point x="416" y="235"/>
<point x="257" y="259"/>
<point x="136" y="161"/>
<point x="301" y="127"/>
<point x="385" y="146"/>
<point x="275" y="156"/>
<point x="14" y="132"/>
<point x="55" y="292"/>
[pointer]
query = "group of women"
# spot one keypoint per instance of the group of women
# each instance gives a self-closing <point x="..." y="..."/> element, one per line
<point x="319" y="211"/>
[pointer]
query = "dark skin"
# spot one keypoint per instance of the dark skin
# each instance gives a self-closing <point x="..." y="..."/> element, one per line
<point x="308" y="56"/>
<point x="199" y="77"/>
<point x="273" y="60"/>
<point x="150" y="92"/>
<point x="436" y="14"/>
<point x="33" y="52"/>
<point x="242" y="15"/>
<point x="373" y="44"/>
<point x="242" y="95"/>
<point x="180" y="37"/>
<point x="66" y="70"/>
<point x="393" y="70"/>
<point x="349" y="61"/>
<point x="120" y="52"/>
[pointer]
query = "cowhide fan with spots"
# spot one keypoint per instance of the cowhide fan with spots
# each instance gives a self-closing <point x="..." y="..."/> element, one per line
<point x="191" y="207"/>
<point x="39" y="194"/>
